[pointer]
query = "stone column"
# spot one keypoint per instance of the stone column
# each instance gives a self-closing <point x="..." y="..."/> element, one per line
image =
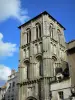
<point x="45" y="89"/>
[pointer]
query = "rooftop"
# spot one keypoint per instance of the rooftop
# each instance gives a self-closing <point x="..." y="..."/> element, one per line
<point x="4" y="86"/>
<point x="71" y="45"/>
<point x="43" y="13"/>
<point x="71" y="41"/>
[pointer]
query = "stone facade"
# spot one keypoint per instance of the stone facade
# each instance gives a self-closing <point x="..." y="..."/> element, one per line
<point x="3" y="92"/>
<point x="71" y="59"/>
<point x="43" y="59"/>
<point x="12" y="89"/>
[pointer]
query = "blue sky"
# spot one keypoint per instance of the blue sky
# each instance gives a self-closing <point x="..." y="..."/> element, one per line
<point x="16" y="12"/>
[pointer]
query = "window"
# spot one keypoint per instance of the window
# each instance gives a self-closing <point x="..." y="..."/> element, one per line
<point x="39" y="47"/>
<point x="40" y="68"/>
<point x="24" y="53"/>
<point x="51" y="47"/>
<point x="35" y="49"/>
<point x="61" y="96"/>
<point x="2" y="96"/>
<point x="28" y="71"/>
<point x="8" y="96"/>
<point x="54" y="69"/>
<point x="54" y="60"/>
<point x="54" y="49"/>
<point x="59" y="35"/>
<point x="13" y="85"/>
<point x="27" y="38"/>
<point x="30" y="91"/>
<point x="28" y="35"/>
<point x="38" y="30"/>
<point x="9" y="85"/>
<point x="51" y="30"/>
<point x="27" y="52"/>
<point x="12" y="89"/>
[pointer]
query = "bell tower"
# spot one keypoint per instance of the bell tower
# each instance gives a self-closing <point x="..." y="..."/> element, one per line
<point x="42" y="50"/>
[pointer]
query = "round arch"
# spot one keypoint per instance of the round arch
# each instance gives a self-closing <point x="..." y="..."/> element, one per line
<point x="38" y="30"/>
<point x="54" y="60"/>
<point x="31" y="98"/>
<point x="54" y="57"/>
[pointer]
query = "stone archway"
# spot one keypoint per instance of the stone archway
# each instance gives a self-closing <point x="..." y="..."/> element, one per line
<point x="54" y="60"/>
<point x="31" y="98"/>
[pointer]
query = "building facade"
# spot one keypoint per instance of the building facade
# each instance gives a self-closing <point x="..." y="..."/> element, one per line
<point x="71" y="59"/>
<point x="3" y="92"/>
<point x="12" y="89"/>
<point x="43" y="68"/>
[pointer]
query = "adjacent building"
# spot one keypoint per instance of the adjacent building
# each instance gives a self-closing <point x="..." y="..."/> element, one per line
<point x="44" y="68"/>
<point x="12" y="89"/>
<point x="3" y="92"/>
<point x="71" y="59"/>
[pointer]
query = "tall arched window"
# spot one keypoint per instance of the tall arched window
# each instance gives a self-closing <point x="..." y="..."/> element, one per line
<point x="38" y="30"/>
<point x="59" y="35"/>
<point x="55" y="49"/>
<point x="28" y="71"/>
<point x="54" y="59"/>
<point x="28" y="35"/>
<point x="39" y="68"/>
<point x="51" y="30"/>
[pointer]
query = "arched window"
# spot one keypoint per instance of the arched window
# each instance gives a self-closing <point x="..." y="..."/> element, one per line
<point x="40" y="68"/>
<point x="38" y="30"/>
<point x="51" y="30"/>
<point x="51" y="45"/>
<point x="59" y="35"/>
<point x="54" y="59"/>
<point x="55" y="49"/>
<point x="28" y="35"/>
<point x="39" y="65"/>
<point x="13" y="85"/>
<point x="28" y="71"/>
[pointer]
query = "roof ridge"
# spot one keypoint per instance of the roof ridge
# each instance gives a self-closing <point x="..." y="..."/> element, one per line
<point x="44" y="12"/>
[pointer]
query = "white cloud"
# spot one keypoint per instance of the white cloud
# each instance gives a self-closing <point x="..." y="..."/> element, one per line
<point x="12" y="8"/>
<point x="6" y="48"/>
<point x="4" y="72"/>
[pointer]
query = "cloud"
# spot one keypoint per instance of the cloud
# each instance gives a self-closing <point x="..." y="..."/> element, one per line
<point x="12" y="8"/>
<point x="7" y="48"/>
<point x="4" y="72"/>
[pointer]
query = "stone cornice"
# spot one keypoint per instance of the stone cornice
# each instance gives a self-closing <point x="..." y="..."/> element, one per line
<point x="32" y="81"/>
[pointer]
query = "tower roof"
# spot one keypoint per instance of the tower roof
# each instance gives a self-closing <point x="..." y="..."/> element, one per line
<point x="43" y="13"/>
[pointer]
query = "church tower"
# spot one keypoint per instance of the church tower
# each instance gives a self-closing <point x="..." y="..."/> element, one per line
<point x="42" y="56"/>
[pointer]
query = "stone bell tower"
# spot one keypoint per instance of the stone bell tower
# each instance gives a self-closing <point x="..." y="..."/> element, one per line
<point x="42" y="50"/>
